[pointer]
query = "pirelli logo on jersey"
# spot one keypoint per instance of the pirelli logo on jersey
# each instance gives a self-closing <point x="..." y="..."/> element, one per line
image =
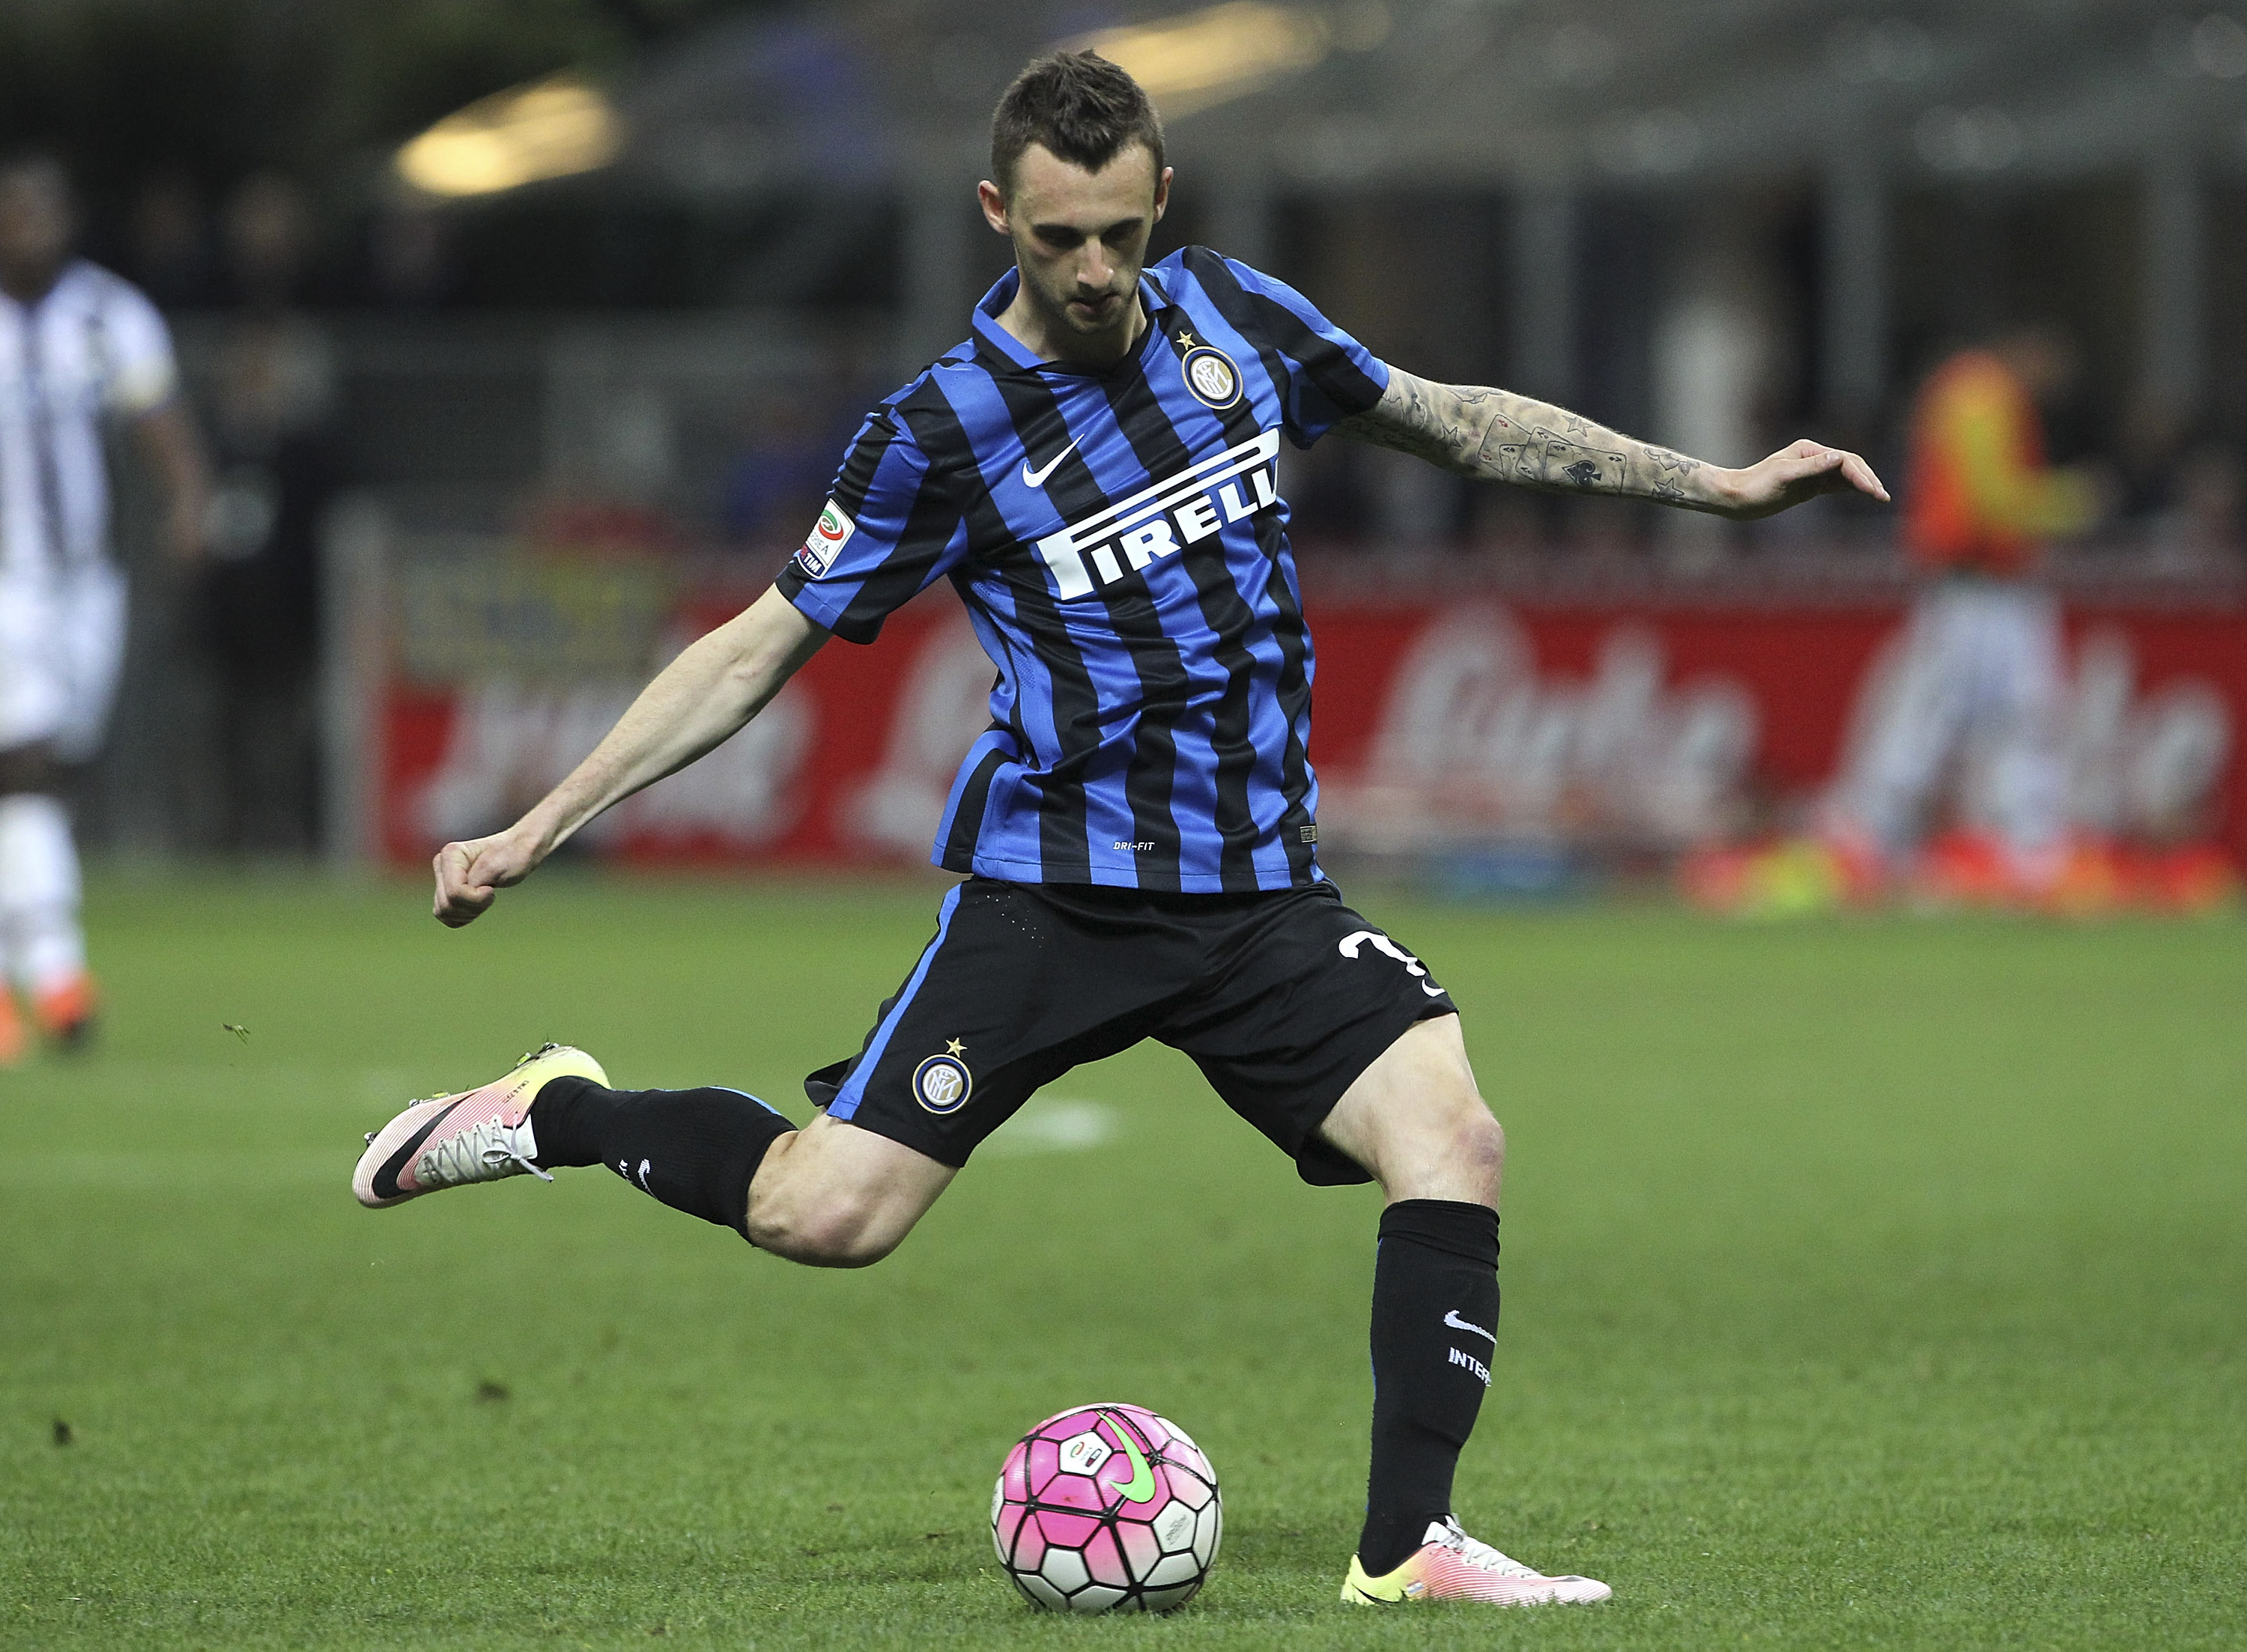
<point x="1163" y="520"/>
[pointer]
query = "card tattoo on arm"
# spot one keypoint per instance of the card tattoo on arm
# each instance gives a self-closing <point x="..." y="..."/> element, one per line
<point x="1494" y="435"/>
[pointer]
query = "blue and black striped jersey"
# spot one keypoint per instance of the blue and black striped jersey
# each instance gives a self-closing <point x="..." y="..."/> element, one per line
<point x="1120" y="543"/>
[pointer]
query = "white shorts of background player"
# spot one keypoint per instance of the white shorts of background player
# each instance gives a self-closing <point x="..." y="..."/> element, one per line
<point x="1975" y="686"/>
<point x="62" y="643"/>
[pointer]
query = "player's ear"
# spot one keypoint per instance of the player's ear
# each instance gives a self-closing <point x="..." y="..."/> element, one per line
<point x="994" y="205"/>
<point x="1162" y="193"/>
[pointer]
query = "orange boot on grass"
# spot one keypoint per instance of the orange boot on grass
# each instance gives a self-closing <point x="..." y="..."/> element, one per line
<point x="67" y="1011"/>
<point x="15" y="1043"/>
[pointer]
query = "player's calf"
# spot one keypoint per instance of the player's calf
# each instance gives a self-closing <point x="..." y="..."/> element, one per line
<point x="695" y="1149"/>
<point x="39" y="894"/>
<point x="835" y="1196"/>
<point x="836" y="1236"/>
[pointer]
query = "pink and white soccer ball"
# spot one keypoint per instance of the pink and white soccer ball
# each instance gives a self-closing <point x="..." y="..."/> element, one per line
<point x="1107" y="1506"/>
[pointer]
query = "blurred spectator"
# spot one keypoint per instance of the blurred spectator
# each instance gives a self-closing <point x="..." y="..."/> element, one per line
<point x="775" y="487"/>
<point x="792" y="434"/>
<point x="2203" y="521"/>
<point x="273" y="429"/>
<point x="267" y="235"/>
<point x="411" y="265"/>
<point x="571" y="525"/>
<point x="169" y="242"/>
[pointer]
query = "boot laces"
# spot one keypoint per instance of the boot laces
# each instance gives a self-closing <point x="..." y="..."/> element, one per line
<point x="482" y="1153"/>
<point x="1480" y="1555"/>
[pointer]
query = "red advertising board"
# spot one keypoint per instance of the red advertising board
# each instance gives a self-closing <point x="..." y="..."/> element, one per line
<point x="1437" y="722"/>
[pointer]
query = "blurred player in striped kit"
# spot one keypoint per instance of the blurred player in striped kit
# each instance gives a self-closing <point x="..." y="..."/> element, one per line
<point x="77" y="345"/>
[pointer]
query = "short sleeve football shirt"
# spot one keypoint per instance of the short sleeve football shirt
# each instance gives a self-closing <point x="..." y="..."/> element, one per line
<point x="93" y="347"/>
<point x="1120" y="545"/>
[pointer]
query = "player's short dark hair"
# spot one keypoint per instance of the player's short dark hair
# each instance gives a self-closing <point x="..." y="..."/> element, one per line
<point x="1077" y="104"/>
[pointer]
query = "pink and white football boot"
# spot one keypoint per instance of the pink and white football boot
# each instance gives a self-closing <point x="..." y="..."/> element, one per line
<point x="477" y="1135"/>
<point x="1450" y="1566"/>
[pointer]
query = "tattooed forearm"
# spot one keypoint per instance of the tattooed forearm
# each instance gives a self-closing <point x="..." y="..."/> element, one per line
<point x="1495" y="436"/>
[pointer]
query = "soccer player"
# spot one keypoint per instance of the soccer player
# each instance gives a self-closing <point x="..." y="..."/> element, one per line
<point x="1981" y="667"/>
<point x="77" y="345"/>
<point x="1093" y="471"/>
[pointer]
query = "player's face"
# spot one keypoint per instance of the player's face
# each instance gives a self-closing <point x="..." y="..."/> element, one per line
<point x="35" y="229"/>
<point x="1080" y="237"/>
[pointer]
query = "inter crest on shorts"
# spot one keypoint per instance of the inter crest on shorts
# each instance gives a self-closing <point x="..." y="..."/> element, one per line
<point x="942" y="1083"/>
<point x="1211" y="375"/>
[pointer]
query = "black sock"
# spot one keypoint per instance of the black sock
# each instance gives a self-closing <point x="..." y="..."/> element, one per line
<point x="1435" y="1328"/>
<point x="693" y="1149"/>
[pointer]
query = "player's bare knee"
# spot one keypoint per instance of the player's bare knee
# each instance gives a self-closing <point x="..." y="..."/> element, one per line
<point x="1458" y="1146"/>
<point x="1472" y="1136"/>
<point x="1478" y="1142"/>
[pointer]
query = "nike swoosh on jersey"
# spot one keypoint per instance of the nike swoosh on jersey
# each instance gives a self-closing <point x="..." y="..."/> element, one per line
<point x="1451" y="1318"/>
<point x="385" y="1179"/>
<point x="1037" y="478"/>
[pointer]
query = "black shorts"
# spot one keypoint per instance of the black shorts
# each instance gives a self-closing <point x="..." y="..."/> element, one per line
<point x="1283" y="999"/>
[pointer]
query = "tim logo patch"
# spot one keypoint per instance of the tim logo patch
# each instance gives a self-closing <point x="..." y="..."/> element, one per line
<point x="829" y="535"/>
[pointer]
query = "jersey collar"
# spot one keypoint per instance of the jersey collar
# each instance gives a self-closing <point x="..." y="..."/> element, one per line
<point x="997" y="339"/>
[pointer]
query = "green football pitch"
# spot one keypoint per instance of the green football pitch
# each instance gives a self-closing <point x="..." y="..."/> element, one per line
<point x="1878" y="1284"/>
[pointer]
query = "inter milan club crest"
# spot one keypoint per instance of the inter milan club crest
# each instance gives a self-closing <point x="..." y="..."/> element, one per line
<point x="942" y="1083"/>
<point x="1211" y="375"/>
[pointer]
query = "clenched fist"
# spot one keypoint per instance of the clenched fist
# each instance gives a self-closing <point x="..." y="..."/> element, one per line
<point x="471" y="874"/>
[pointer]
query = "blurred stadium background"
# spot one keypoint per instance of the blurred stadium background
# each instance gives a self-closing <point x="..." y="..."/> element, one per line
<point x="575" y="302"/>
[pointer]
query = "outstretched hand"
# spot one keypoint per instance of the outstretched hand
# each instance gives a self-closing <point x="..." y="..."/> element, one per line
<point x="471" y="874"/>
<point x="1799" y="471"/>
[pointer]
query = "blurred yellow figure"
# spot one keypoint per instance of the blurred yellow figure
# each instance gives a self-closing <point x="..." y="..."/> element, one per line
<point x="1975" y="687"/>
<point x="1980" y="499"/>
